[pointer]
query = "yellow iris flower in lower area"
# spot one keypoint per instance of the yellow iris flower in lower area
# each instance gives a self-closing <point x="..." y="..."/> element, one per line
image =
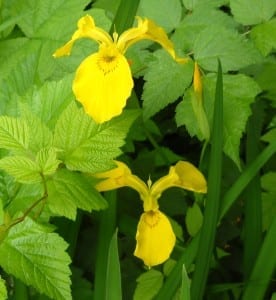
<point x="103" y="81"/>
<point x="155" y="237"/>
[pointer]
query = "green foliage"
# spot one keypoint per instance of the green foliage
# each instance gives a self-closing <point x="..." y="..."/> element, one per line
<point x="193" y="219"/>
<point x="3" y="290"/>
<point x="248" y="12"/>
<point x="165" y="82"/>
<point x="239" y="92"/>
<point x="216" y="42"/>
<point x="269" y="198"/>
<point x="86" y="146"/>
<point x="50" y="149"/>
<point x="68" y="191"/>
<point x="37" y="257"/>
<point x="148" y="285"/>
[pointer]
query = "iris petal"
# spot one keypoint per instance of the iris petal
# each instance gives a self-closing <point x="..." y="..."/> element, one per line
<point x="103" y="86"/>
<point x="155" y="238"/>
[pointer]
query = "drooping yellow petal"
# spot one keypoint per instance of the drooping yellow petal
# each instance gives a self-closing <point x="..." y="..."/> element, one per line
<point x="86" y="29"/>
<point x="189" y="177"/>
<point x="102" y="84"/>
<point x="183" y="175"/>
<point x="119" y="177"/>
<point x="197" y="83"/>
<point x="155" y="238"/>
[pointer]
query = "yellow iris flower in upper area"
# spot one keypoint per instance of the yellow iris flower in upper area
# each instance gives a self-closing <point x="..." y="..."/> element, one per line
<point x="103" y="81"/>
<point x="155" y="237"/>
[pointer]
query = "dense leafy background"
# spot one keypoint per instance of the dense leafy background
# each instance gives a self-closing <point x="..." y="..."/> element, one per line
<point x="65" y="248"/>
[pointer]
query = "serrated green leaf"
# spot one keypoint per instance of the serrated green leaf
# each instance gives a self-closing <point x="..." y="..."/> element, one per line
<point x="166" y="80"/>
<point x="194" y="219"/>
<point x="41" y="135"/>
<point x="48" y="101"/>
<point x="87" y="146"/>
<point x="234" y="51"/>
<point x="47" y="160"/>
<point x="264" y="36"/>
<point x="197" y="20"/>
<point x="3" y="290"/>
<point x="22" y="168"/>
<point x="38" y="258"/>
<point x="45" y="17"/>
<point x="147" y="8"/>
<point x="14" y="134"/>
<point x="148" y="285"/>
<point x="239" y="92"/>
<point x="249" y="12"/>
<point x="68" y="191"/>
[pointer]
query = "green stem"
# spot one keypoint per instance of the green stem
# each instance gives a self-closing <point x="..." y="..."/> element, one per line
<point x="106" y="231"/>
<point x="20" y="290"/>
<point x="207" y="235"/>
<point x="253" y="204"/>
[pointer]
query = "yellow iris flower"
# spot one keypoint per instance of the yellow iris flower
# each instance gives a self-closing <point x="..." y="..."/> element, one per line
<point x="103" y="81"/>
<point x="155" y="237"/>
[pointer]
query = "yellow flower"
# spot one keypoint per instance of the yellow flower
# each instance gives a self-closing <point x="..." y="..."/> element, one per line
<point x="155" y="237"/>
<point x="103" y="81"/>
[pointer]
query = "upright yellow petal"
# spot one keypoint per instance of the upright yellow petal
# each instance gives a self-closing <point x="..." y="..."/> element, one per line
<point x="103" y="84"/>
<point x="155" y="238"/>
<point x="86" y="29"/>
<point x="119" y="177"/>
<point x="197" y="80"/>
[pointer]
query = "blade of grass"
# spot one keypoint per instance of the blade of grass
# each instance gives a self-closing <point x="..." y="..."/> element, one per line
<point x="185" y="285"/>
<point x="125" y="15"/>
<point x="208" y="230"/>
<point x="249" y="172"/>
<point x="20" y="290"/>
<point x="263" y="268"/>
<point x="105" y="233"/>
<point x="253" y="205"/>
<point x="173" y="281"/>
<point x="113" y="274"/>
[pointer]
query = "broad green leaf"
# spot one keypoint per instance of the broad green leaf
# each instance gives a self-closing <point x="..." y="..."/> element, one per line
<point x="68" y="191"/>
<point x="194" y="219"/>
<point x="269" y="198"/>
<point x="264" y="36"/>
<point x="266" y="80"/>
<point x="41" y="136"/>
<point x="113" y="272"/>
<point x="49" y="101"/>
<point x="46" y="18"/>
<point x="37" y="257"/>
<point x="22" y="168"/>
<point x="234" y="51"/>
<point x="166" y="80"/>
<point x="47" y="160"/>
<point x="87" y="146"/>
<point x="192" y="4"/>
<point x="197" y="20"/>
<point x="147" y="8"/>
<point x="239" y="92"/>
<point x="148" y="285"/>
<point x="81" y="286"/>
<point x="249" y="12"/>
<point x="3" y="290"/>
<point x="14" y="134"/>
<point x="270" y="136"/>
